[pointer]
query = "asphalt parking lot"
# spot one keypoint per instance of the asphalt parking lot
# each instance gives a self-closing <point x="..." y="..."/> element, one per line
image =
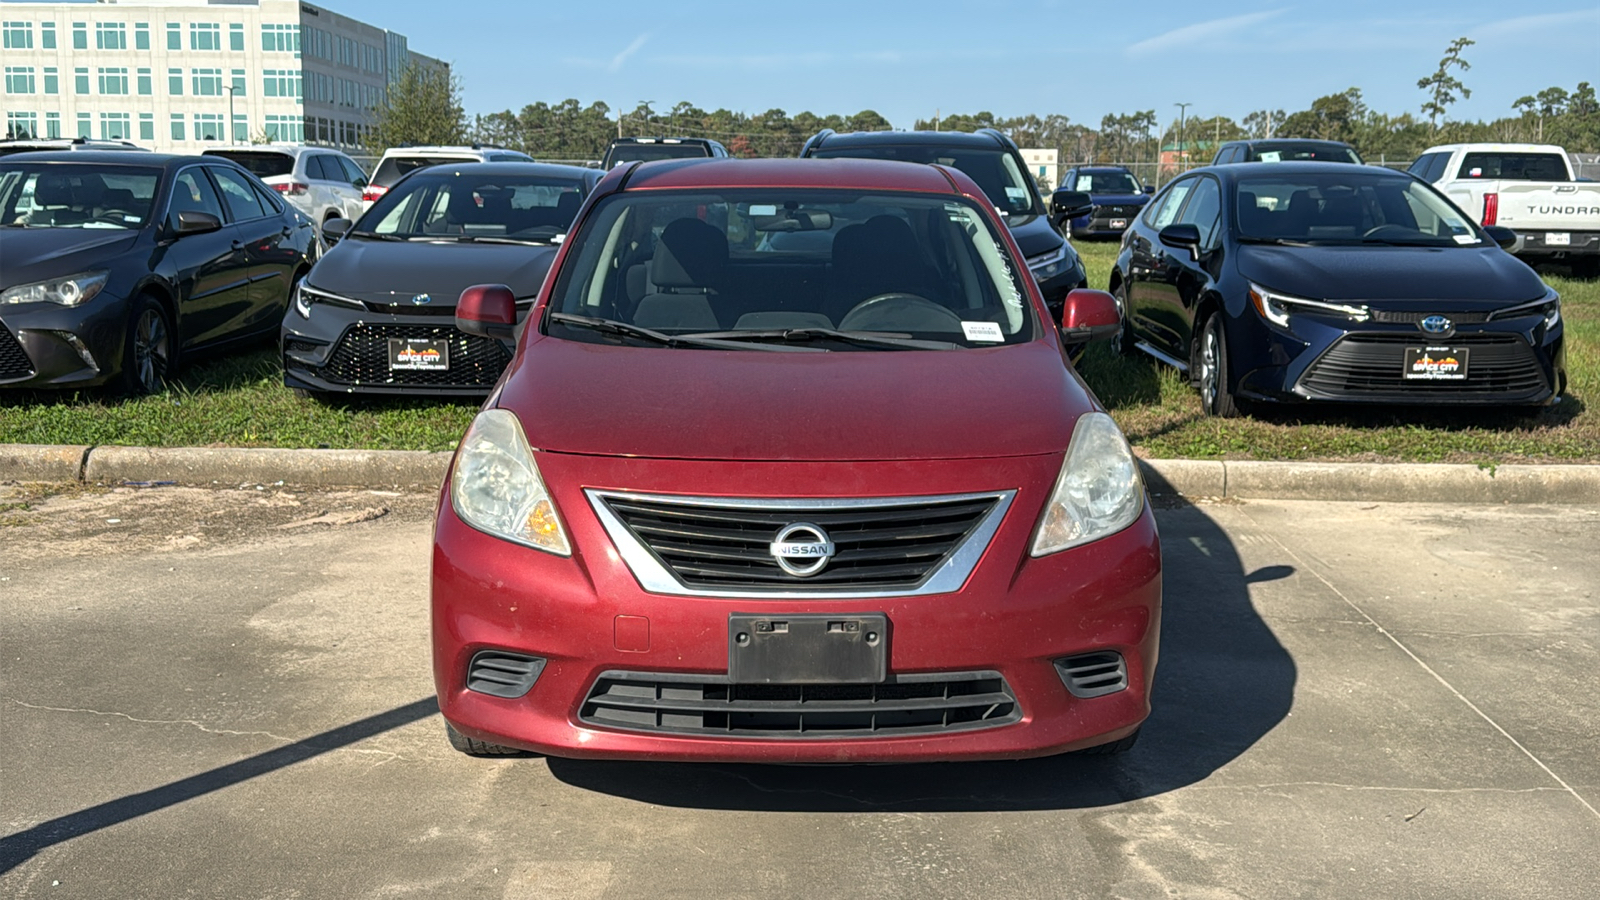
<point x="227" y="694"/>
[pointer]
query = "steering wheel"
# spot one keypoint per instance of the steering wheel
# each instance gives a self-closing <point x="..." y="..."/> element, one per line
<point x="901" y="311"/>
<point x="1389" y="229"/>
<point x="114" y="216"/>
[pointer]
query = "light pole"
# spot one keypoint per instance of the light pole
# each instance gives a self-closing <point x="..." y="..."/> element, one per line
<point x="232" y="137"/>
<point x="1182" y="108"/>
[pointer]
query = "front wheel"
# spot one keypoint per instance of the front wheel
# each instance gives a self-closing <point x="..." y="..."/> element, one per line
<point x="474" y="747"/>
<point x="151" y="350"/>
<point x="1122" y="342"/>
<point x="1215" y="396"/>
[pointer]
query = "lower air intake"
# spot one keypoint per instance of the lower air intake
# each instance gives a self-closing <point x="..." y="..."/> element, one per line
<point x="501" y="674"/>
<point x="1093" y="674"/>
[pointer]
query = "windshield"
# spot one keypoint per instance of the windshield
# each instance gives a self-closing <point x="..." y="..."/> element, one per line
<point x="260" y="164"/>
<point x="1304" y="153"/>
<point x="1105" y="183"/>
<point x="626" y="153"/>
<point x="1514" y="166"/>
<point x="1353" y="207"/>
<point x="73" y="195"/>
<point x="391" y="169"/>
<point x="790" y="265"/>
<point x="995" y="171"/>
<point x="449" y="205"/>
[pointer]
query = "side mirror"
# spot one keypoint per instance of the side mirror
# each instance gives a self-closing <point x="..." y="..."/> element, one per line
<point x="1181" y="236"/>
<point x="1089" y="316"/>
<point x="1149" y="189"/>
<point x="488" y="310"/>
<point x="194" y="221"/>
<point x="335" y="229"/>
<point x="1069" y="204"/>
<point x="1505" y="237"/>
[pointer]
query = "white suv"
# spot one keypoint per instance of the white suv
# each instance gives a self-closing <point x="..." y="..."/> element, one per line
<point x="397" y="161"/>
<point x="322" y="183"/>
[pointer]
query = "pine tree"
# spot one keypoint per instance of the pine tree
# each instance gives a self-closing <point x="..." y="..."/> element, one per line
<point x="1441" y="86"/>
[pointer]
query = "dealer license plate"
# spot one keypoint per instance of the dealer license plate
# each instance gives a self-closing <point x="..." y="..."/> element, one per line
<point x="1435" y="364"/>
<point x="1558" y="239"/>
<point x="1119" y="223"/>
<point x="418" y="354"/>
<point x="808" y="648"/>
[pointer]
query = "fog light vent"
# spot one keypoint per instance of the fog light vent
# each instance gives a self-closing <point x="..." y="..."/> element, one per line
<point x="501" y="674"/>
<point x="1093" y="674"/>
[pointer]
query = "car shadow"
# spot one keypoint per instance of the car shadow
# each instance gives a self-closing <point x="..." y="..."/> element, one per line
<point x="1223" y="682"/>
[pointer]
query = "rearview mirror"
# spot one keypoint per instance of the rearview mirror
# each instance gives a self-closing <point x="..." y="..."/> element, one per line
<point x="1069" y="204"/>
<point x="488" y="310"/>
<point x="194" y="221"/>
<point x="1088" y="316"/>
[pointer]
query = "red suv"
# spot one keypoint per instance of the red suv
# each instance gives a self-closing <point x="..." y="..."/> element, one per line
<point x="790" y="466"/>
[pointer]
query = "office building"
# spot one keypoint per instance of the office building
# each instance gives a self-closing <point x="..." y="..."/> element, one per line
<point x="182" y="75"/>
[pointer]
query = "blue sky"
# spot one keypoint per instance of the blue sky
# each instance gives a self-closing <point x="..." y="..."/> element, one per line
<point x="905" y="59"/>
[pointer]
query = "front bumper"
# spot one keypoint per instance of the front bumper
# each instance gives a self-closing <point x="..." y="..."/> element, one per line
<point x="589" y="619"/>
<point x="45" y="345"/>
<point x="346" y="350"/>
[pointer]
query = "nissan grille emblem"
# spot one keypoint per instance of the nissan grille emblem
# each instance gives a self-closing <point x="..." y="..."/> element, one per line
<point x="1435" y="324"/>
<point x="802" y="549"/>
<point x="421" y="300"/>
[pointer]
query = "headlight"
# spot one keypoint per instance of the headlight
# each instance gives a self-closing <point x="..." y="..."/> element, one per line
<point x="1276" y="307"/>
<point x="1099" y="492"/>
<point x="73" y="290"/>
<point x="305" y="296"/>
<point x="496" y="487"/>
<point x="1549" y="305"/>
<point x="1047" y="265"/>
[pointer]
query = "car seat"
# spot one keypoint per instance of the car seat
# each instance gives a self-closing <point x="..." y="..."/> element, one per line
<point x="880" y="256"/>
<point x="689" y="265"/>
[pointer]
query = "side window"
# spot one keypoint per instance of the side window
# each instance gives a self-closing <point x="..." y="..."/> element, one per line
<point x="352" y="172"/>
<point x="316" y="167"/>
<point x="1165" y="208"/>
<point x="237" y="193"/>
<point x="1437" y="168"/>
<point x="268" y="202"/>
<point x="1420" y="167"/>
<point x="1203" y="209"/>
<point x="192" y="192"/>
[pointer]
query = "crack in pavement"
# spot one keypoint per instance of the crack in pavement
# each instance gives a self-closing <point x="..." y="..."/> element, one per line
<point x="1374" y="787"/>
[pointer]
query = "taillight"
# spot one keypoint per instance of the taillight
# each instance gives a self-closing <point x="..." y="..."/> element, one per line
<point x="292" y="188"/>
<point x="1491" y="208"/>
<point x="372" y="192"/>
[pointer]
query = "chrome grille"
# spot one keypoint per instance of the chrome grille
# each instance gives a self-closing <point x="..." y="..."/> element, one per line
<point x="1406" y="317"/>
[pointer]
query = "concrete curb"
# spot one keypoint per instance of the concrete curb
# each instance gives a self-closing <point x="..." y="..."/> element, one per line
<point x="1189" y="478"/>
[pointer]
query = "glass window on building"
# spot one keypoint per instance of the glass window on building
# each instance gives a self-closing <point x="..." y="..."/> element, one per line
<point x="52" y="80"/>
<point x="114" y="81"/>
<point x="19" y="35"/>
<point x="80" y="35"/>
<point x="85" y="126"/>
<point x="80" y="79"/>
<point x="281" y="83"/>
<point x="238" y="82"/>
<point x="174" y="36"/>
<point x="110" y="36"/>
<point x="288" y="129"/>
<point x="143" y="80"/>
<point x="207" y="82"/>
<point x="205" y="36"/>
<point x="236" y="37"/>
<point x="208" y="126"/>
<point x="241" y="129"/>
<point x="175" y="82"/>
<point x="115" y="126"/>
<point x="280" y="38"/>
<point x="147" y="126"/>
<point x="22" y="125"/>
<point x="177" y="126"/>
<point x="141" y="36"/>
<point x="19" y="79"/>
<point x="52" y="125"/>
<point x="47" y="39"/>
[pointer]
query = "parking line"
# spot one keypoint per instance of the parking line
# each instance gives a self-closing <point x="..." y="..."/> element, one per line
<point x="1425" y="667"/>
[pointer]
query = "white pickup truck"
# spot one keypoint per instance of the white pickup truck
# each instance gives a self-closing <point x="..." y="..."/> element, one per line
<point x="1528" y="188"/>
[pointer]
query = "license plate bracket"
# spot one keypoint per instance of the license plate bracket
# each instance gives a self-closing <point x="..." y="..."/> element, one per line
<point x="418" y="354"/>
<point x="1435" y="364"/>
<point x="1558" y="239"/>
<point x="808" y="648"/>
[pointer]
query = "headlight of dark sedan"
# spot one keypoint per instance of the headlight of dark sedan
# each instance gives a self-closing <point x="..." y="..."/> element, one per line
<point x="305" y="296"/>
<point x="73" y="290"/>
<point x="1549" y="306"/>
<point x="1277" y="308"/>
<point x="1049" y="264"/>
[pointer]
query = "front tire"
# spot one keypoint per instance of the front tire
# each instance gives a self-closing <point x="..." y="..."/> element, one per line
<point x="472" y="747"/>
<point x="1122" y="342"/>
<point x="1115" y="748"/>
<point x="1215" y="396"/>
<point x="149" y="358"/>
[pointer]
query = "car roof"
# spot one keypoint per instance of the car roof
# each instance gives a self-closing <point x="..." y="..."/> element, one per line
<point x="460" y="149"/>
<point x="511" y="167"/>
<point x="108" y="157"/>
<point x="1307" y="167"/>
<point x="1482" y="147"/>
<point x="285" y="149"/>
<point x="851" y="174"/>
<point x="1272" y="142"/>
<point x="661" y="140"/>
<point x="905" y="138"/>
<point x="1102" y="169"/>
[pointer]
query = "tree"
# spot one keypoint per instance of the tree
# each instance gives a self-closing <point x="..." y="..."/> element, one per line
<point x="423" y="106"/>
<point x="1441" y="86"/>
<point x="1264" y="123"/>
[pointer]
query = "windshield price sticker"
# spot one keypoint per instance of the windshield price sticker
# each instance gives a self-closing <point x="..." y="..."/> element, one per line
<point x="986" y="332"/>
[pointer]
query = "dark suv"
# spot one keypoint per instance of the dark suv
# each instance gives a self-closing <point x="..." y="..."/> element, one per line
<point x="992" y="160"/>
<point x="646" y="149"/>
<point x="1286" y="150"/>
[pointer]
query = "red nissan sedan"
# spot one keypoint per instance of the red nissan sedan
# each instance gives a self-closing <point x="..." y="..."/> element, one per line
<point x="790" y="466"/>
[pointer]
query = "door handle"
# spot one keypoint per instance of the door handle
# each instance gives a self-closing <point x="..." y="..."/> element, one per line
<point x="238" y="245"/>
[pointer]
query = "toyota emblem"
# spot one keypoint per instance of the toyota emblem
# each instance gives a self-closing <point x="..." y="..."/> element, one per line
<point x="421" y="300"/>
<point x="802" y="549"/>
<point x="1435" y="325"/>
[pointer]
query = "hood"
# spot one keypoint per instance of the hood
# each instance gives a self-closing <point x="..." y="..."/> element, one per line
<point x="1034" y="234"/>
<point x="753" y="405"/>
<point x="1467" y="277"/>
<point x="380" y="271"/>
<point x="1119" y="199"/>
<point x="35" y="254"/>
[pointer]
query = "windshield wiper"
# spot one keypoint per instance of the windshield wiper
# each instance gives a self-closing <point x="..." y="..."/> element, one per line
<point x="1413" y="242"/>
<point x="374" y="236"/>
<point x="624" y="329"/>
<point x="876" y="338"/>
<point x="1280" y="241"/>
<point x="482" y="239"/>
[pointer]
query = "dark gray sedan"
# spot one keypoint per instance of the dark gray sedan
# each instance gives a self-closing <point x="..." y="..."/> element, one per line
<point x="120" y="265"/>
